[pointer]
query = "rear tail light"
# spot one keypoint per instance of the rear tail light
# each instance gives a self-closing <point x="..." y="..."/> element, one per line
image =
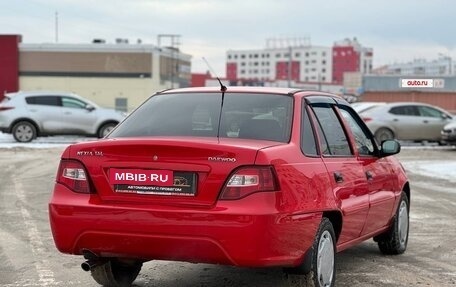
<point x="3" y="108"/>
<point x="248" y="180"/>
<point x="73" y="175"/>
<point x="366" y="119"/>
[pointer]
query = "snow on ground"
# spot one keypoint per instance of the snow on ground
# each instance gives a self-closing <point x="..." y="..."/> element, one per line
<point x="7" y="141"/>
<point x="441" y="169"/>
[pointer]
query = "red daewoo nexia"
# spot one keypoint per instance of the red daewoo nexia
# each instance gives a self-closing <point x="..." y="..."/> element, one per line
<point x="240" y="176"/>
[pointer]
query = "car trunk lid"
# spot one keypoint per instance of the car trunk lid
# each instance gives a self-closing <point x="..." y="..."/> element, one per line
<point x="171" y="170"/>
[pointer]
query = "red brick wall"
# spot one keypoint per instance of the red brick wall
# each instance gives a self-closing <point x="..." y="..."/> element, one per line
<point x="231" y="71"/>
<point x="282" y="70"/>
<point x="9" y="63"/>
<point x="345" y="59"/>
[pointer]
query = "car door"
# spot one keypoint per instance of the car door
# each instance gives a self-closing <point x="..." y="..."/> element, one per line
<point x="405" y="121"/>
<point x="432" y="122"/>
<point x="377" y="171"/>
<point x="345" y="170"/>
<point x="76" y="118"/>
<point x="45" y="110"/>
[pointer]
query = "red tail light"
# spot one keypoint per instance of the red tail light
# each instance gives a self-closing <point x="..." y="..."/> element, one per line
<point x="365" y="119"/>
<point x="5" y="108"/>
<point x="73" y="175"/>
<point x="248" y="180"/>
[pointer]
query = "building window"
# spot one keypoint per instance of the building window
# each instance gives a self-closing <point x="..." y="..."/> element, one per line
<point x="323" y="53"/>
<point x="242" y="72"/>
<point x="313" y="78"/>
<point x="243" y="64"/>
<point x="235" y="56"/>
<point x="255" y="56"/>
<point x="229" y="57"/>
<point x="242" y="56"/>
<point x="307" y="54"/>
<point x="278" y="55"/>
<point x="255" y="63"/>
<point x="313" y="70"/>
<point x="307" y="62"/>
<point x="297" y="55"/>
<point x="323" y="78"/>
<point x="323" y="62"/>
<point x="323" y="70"/>
<point x="314" y="61"/>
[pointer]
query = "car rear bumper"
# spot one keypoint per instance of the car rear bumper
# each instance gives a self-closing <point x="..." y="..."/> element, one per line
<point x="231" y="232"/>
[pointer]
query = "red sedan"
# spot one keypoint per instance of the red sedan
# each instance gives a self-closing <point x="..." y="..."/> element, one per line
<point x="240" y="176"/>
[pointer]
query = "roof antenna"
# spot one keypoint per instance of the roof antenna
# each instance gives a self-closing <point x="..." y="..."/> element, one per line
<point x="222" y="87"/>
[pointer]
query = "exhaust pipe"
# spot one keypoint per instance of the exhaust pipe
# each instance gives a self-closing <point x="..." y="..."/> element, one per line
<point x="92" y="260"/>
<point x="90" y="264"/>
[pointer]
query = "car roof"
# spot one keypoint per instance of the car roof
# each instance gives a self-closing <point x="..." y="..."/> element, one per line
<point x="40" y="93"/>
<point x="254" y="89"/>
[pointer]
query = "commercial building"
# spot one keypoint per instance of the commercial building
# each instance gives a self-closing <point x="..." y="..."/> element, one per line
<point x="442" y="66"/>
<point x="119" y="75"/>
<point x="296" y="60"/>
<point x="390" y="88"/>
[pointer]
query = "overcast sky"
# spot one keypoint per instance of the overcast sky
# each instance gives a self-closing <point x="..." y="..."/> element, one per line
<point x="398" y="30"/>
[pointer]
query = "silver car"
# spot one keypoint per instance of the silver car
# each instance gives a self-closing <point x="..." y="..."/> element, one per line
<point x="27" y="115"/>
<point x="407" y="121"/>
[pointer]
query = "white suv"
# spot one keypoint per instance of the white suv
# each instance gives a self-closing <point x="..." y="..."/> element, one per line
<point x="27" y="115"/>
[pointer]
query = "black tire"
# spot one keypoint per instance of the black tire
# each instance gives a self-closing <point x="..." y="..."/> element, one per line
<point x="383" y="134"/>
<point x="24" y="131"/>
<point x="105" y="129"/>
<point x="322" y="254"/>
<point x="116" y="274"/>
<point x="395" y="240"/>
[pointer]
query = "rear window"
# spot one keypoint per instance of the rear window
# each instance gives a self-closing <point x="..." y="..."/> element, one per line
<point x="248" y="116"/>
<point x="44" y="100"/>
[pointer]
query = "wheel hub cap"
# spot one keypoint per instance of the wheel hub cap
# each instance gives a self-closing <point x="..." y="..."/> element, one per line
<point x="325" y="259"/>
<point x="403" y="223"/>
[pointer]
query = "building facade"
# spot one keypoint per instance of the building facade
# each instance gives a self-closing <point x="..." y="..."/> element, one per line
<point x="421" y="67"/>
<point x="117" y="75"/>
<point x="299" y="61"/>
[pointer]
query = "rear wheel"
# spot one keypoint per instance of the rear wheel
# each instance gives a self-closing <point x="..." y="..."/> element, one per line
<point x="383" y="134"/>
<point x="114" y="273"/>
<point x="106" y="129"/>
<point x="24" y="131"/>
<point x="395" y="240"/>
<point x="322" y="271"/>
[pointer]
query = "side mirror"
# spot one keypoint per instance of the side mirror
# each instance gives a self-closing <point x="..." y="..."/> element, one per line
<point x="390" y="147"/>
<point x="89" y="107"/>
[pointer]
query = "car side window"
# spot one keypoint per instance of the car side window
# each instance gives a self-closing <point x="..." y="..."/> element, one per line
<point x="68" y="102"/>
<point x="332" y="131"/>
<point x="404" y="111"/>
<point x="43" y="100"/>
<point x="308" y="144"/>
<point x="364" y="144"/>
<point x="430" y="112"/>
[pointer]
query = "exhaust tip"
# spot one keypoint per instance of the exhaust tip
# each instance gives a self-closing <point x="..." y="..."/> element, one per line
<point x="86" y="266"/>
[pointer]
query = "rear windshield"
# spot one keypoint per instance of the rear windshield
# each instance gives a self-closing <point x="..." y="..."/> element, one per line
<point x="248" y="116"/>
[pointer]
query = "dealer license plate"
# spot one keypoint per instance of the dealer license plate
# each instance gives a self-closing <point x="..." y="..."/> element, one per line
<point x="148" y="181"/>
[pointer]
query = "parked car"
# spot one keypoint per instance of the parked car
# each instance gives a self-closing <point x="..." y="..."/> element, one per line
<point x="244" y="176"/>
<point x="27" y="115"/>
<point x="449" y="133"/>
<point x="407" y="121"/>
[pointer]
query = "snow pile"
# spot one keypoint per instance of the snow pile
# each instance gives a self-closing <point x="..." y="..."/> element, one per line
<point x="441" y="169"/>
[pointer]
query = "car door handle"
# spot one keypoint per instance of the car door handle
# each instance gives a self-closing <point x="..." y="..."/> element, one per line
<point x="369" y="175"/>
<point x="338" y="177"/>
<point x="425" y="121"/>
<point x="395" y="120"/>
